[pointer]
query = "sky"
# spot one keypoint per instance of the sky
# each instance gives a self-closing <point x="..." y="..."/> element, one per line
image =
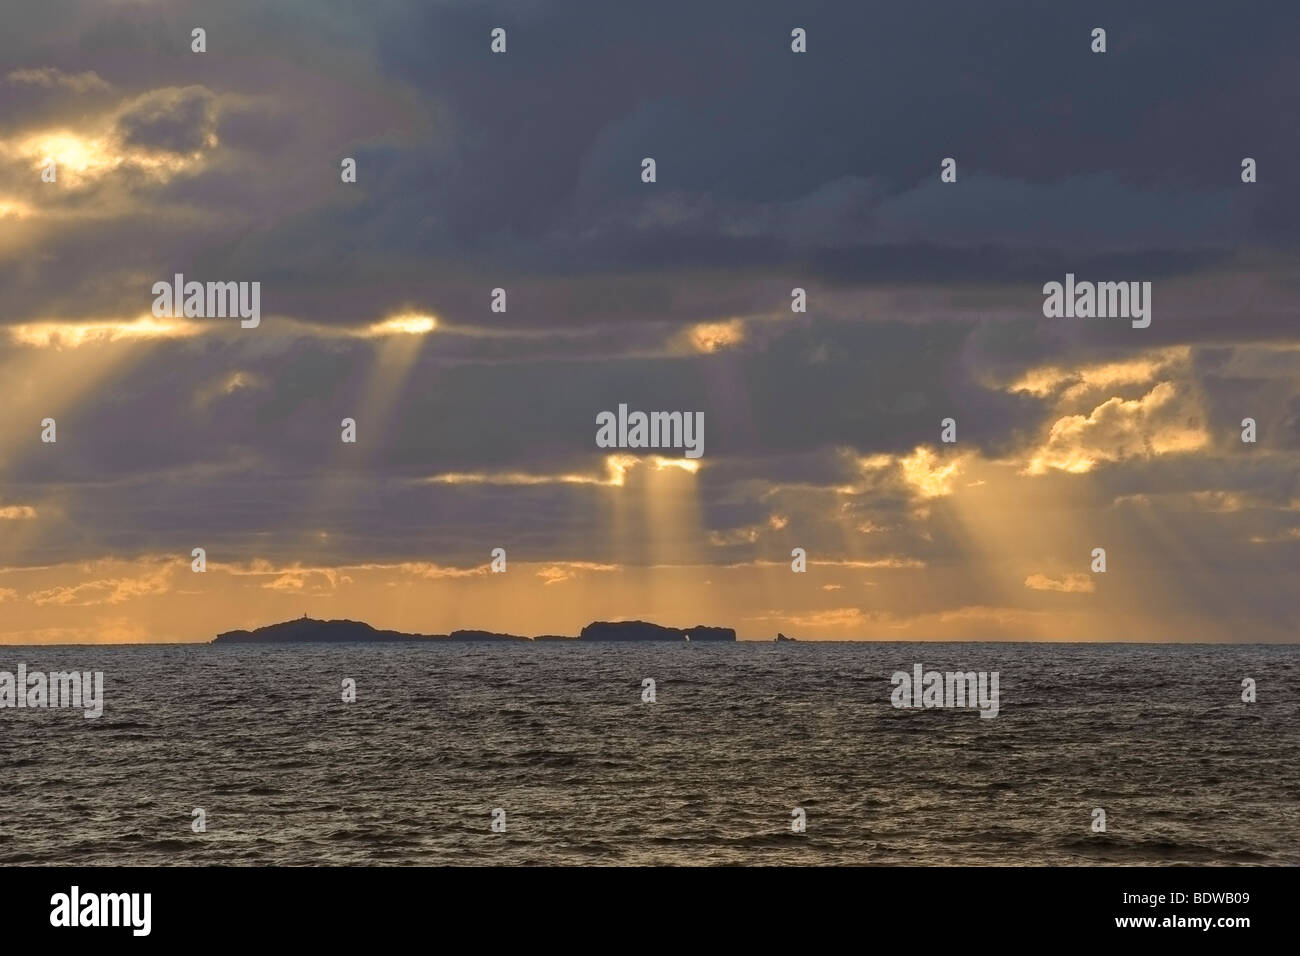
<point x="774" y="170"/>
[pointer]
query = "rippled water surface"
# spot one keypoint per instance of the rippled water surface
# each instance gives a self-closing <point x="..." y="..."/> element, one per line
<point x="557" y="735"/>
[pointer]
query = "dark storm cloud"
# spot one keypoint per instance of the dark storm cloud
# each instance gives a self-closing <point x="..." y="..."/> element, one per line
<point x="174" y="120"/>
<point x="824" y="166"/>
<point x="716" y="97"/>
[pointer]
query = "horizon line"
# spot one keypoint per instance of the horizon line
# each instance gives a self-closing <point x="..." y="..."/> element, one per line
<point x="558" y="639"/>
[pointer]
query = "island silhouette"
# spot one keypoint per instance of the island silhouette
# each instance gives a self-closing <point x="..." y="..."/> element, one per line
<point x="306" y="630"/>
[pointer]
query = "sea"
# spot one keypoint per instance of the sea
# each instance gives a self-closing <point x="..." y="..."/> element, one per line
<point x="552" y="753"/>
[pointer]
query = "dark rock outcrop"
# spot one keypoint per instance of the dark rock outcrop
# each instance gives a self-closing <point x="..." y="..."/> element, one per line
<point x="781" y="638"/>
<point x="700" y="632"/>
<point x="485" y="636"/>
<point x="305" y="630"/>
<point x="644" y="631"/>
<point x="309" y="630"/>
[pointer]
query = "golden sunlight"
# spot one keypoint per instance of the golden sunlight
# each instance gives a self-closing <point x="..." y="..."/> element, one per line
<point x="74" y="334"/>
<point x="406" y="323"/>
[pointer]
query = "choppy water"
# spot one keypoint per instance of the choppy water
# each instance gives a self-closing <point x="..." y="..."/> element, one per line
<point x="740" y="734"/>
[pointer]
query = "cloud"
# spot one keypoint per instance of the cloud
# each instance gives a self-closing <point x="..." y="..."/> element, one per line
<point x="1158" y="423"/>
<point x="556" y="573"/>
<point x="616" y="473"/>
<point x="292" y="577"/>
<point x="926" y="476"/>
<point x="317" y="581"/>
<point x="1066" y="584"/>
<point x="1076" y="383"/>
<point x="51" y="78"/>
<point x="61" y="335"/>
<point x="732" y="536"/>
<point x="893" y="562"/>
<point x="179" y="120"/>
<point x="106" y="591"/>
<point x="709" y="337"/>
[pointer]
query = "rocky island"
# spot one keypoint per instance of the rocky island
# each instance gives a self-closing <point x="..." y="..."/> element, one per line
<point x="306" y="630"/>
<point x="644" y="631"/>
